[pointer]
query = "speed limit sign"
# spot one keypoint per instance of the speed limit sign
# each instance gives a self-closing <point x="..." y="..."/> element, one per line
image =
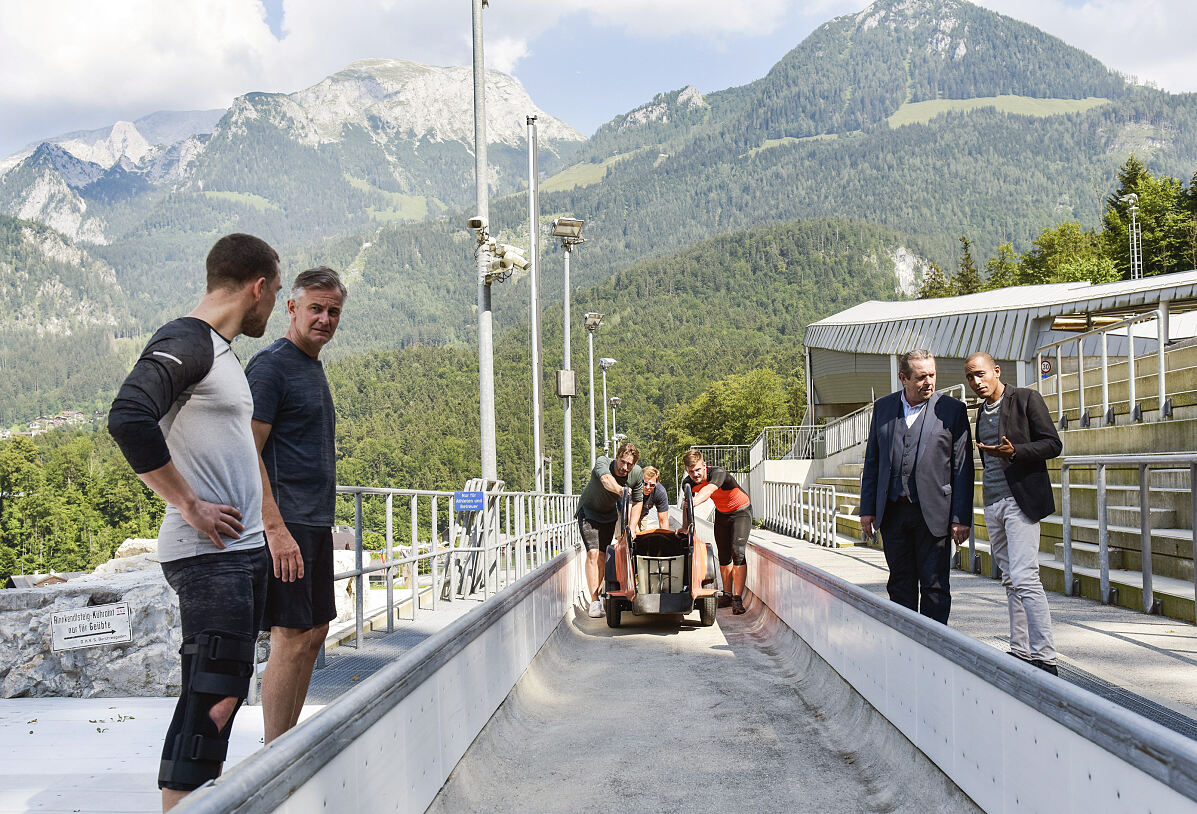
<point x="1045" y="367"/>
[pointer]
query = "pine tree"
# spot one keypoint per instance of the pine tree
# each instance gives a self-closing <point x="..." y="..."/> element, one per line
<point x="967" y="279"/>
<point x="1000" y="270"/>
<point x="935" y="284"/>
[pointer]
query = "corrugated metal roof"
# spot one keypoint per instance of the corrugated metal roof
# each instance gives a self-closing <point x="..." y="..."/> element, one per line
<point x="1000" y="319"/>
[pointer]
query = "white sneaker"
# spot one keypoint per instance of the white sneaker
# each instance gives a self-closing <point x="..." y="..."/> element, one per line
<point x="596" y="609"/>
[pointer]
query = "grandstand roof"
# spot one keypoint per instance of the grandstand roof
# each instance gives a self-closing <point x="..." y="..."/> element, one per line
<point x="1000" y="320"/>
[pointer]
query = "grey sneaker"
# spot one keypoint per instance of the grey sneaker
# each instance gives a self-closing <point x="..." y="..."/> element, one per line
<point x="596" y="609"/>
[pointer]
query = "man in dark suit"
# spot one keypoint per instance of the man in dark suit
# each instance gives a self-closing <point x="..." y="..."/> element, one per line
<point x="917" y="485"/>
<point x="1016" y="437"/>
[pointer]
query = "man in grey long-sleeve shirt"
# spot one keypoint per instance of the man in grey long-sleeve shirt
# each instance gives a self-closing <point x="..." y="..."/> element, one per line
<point x="182" y="419"/>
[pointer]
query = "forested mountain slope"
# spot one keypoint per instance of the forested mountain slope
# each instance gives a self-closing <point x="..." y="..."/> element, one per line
<point x="675" y="324"/>
<point x="933" y="118"/>
<point x="409" y="418"/>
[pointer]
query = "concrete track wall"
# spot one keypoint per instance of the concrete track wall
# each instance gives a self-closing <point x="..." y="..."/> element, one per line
<point x="389" y="744"/>
<point x="1011" y="737"/>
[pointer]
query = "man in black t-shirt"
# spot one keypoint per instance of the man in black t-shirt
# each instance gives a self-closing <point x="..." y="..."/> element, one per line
<point x="655" y="514"/>
<point x="294" y="427"/>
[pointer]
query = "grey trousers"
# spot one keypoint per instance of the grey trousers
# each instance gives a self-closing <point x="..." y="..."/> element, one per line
<point x="1014" y="545"/>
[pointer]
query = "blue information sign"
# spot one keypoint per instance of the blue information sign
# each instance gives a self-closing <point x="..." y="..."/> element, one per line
<point x="468" y="501"/>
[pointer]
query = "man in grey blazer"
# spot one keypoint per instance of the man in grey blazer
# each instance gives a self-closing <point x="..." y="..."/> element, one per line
<point x="917" y="485"/>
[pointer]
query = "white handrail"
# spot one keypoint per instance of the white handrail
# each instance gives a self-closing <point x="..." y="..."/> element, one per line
<point x="808" y="513"/>
<point x="1143" y="462"/>
<point x="1134" y="408"/>
<point x="514" y="533"/>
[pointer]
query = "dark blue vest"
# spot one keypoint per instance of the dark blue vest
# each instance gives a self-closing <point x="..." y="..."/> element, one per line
<point x="904" y="458"/>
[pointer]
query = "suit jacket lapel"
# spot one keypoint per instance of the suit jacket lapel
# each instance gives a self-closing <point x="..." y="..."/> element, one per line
<point x="1006" y="411"/>
<point x="885" y="444"/>
<point x="928" y="411"/>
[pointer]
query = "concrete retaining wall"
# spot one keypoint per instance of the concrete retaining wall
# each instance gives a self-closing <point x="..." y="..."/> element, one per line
<point x="1010" y="736"/>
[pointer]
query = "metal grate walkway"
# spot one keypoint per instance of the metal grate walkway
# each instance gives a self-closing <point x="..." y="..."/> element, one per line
<point x="346" y="666"/>
<point x="1162" y="715"/>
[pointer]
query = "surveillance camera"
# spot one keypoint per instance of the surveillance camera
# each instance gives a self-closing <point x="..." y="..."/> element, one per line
<point x="514" y="254"/>
<point x="477" y="222"/>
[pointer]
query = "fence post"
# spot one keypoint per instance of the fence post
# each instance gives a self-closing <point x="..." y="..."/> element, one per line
<point x="1066" y="511"/>
<point x="1107" y="414"/>
<point x="1103" y="534"/>
<point x="1059" y="387"/>
<point x="1132" y="406"/>
<point x="358" y="581"/>
<point x="390" y="572"/>
<point x="436" y="544"/>
<point x="1080" y="383"/>
<point x="1161" y="341"/>
<point x="1145" y="539"/>
<point x="1193" y="520"/>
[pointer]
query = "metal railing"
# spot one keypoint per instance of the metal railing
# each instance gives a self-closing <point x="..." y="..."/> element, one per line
<point x="732" y="457"/>
<point x="806" y="512"/>
<point x="786" y="444"/>
<point x="1134" y="407"/>
<point x="847" y="431"/>
<point x="844" y="432"/>
<point x="469" y="553"/>
<point x="1159" y="462"/>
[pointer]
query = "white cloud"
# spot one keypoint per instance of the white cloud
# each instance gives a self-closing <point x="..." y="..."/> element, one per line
<point x="74" y="52"/>
<point x="1145" y="38"/>
<point x="85" y="57"/>
<point x="706" y="19"/>
<point x="82" y="60"/>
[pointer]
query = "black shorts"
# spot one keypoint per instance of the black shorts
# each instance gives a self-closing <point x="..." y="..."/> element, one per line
<point x="595" y="535"/>
<point x="731" y="535"/>
<point x="308" y="602"/>
<point x="223" y="591"/>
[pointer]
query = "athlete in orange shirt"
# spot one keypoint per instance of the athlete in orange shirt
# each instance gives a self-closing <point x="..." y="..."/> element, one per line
<point x="733" y="522"/>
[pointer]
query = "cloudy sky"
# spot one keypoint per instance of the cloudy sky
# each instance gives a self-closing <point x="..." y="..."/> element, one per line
<point x="80" y="64"/>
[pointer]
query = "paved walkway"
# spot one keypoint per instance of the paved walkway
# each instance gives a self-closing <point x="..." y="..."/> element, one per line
<point x="1133" y="657"/>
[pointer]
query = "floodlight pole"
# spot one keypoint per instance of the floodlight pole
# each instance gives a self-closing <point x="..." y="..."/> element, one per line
<point x="606" y="437"/>
<point x="486" y="360"/>
<point x="1136" y="238"/>
<point x="568" y="464"/>
<point x="593" y="321"/>
<point x="614" y="403"/>
<point x="534" y="298"/>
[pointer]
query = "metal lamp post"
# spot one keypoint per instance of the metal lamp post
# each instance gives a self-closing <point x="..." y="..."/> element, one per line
<point x="534" y="298"/>
<point x="615" y="400"/>
<point x="1136" y="238"/>
<point x="486" y="360"/>
<point x="605" y="364"/>
<point x="570" y="232"/>
<point x="593" y="321"/>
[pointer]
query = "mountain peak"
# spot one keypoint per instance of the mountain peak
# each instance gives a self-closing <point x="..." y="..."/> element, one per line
<point x="75" y="171"/>
<point x="389" y="97"/>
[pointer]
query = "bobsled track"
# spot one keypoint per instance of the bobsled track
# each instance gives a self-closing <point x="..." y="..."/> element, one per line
<point x="822" y="697"/>
<point x="662" y="716"/>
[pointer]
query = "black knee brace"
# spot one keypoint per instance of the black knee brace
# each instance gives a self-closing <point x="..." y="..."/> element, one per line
<point x="216" y="665"/>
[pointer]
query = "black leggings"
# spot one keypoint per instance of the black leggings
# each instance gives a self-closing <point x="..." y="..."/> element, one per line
<point x="222" y="594"/>
<point x="731" y="535"/>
